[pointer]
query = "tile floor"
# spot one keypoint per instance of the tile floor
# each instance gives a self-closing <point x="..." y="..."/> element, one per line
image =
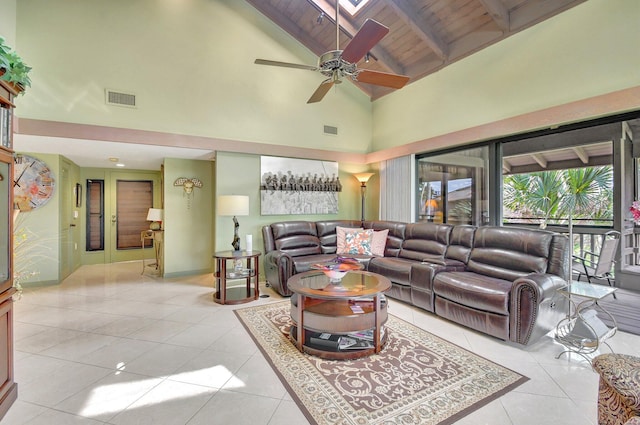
<point x="111" y="346"/>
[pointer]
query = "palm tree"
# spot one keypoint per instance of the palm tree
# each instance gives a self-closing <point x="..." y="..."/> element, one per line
<point x="538" y="194"/>
<point x="585" y="188"/>
<point x="516" y="187"/>
<point x="571" y="193"/>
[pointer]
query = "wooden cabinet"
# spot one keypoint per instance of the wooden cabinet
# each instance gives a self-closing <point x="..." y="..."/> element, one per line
<point x="8" y="388"/>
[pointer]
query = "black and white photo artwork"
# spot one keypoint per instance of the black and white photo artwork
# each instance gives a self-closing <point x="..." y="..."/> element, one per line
<point x="298" y="186"/>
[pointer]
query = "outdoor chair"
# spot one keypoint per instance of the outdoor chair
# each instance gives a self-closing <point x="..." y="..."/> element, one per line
<point x="599" y="265"/>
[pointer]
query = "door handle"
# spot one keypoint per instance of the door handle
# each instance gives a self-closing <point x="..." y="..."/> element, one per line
<point x="113" y="218"/>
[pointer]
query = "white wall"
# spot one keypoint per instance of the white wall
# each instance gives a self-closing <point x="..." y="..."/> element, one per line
<point x="589" y="50"/>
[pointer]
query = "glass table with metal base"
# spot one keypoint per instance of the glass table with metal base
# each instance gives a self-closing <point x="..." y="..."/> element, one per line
<point x="582" y="331"/>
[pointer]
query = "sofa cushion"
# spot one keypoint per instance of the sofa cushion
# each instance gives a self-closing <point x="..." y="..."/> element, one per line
<point x="303" y="263"/>
<point x="296" y="238"/>
<point x="509" y="253"/>
<point x="397" y="270"/>
<point x="394" y="237"/>
<point x="460" y="243"/>
<point x="474" y="290"/>
<point x="425" y="240"/>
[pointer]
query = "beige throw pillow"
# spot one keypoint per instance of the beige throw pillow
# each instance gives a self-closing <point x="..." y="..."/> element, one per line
<point x="379" y="242"/>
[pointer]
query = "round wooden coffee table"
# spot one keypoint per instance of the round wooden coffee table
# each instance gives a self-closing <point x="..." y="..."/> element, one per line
<point x="328" y="315"/>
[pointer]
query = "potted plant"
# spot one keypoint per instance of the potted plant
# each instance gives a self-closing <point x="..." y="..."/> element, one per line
<point x="13" y="69"/>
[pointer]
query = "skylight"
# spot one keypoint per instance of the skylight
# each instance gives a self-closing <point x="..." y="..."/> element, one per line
<point x="352" y="6"/>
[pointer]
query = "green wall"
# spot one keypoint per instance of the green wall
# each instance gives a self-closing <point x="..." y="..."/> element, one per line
<point x="8" y="21"/>
<point x="189" y="78"/>
<point x="110" y="176"/>
<point x="239" y="174"/>
<point x="37" y="256"/>
<point x="190" y="65"/>
<point x="188" y="219"/>
<point x="589" y="50"/>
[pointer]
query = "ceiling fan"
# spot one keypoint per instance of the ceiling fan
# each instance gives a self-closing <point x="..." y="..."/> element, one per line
<point x="336" y="64"/>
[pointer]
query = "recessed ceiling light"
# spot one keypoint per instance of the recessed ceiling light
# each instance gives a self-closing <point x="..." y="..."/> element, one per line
<point x="112" y="159"/>
<point x="119" y="164"/>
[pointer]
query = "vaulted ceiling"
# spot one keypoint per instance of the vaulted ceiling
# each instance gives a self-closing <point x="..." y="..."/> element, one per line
<point x="425" y="35"/>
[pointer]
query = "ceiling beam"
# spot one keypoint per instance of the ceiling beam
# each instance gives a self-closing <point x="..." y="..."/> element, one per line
<point x="382" y="57"/>
<point x="582" y="154"/>
<point x="506" y="167"/>
<point x="561" y="165"/>
<point x="540" y="160"/>
<point x="498" y="12"/>
<point x="533" y="12"/>
<point x="410" y="17"/>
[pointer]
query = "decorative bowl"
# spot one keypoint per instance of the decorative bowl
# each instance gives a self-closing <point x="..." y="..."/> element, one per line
<point x="336" y="270"/>
<point x="335" y="275"/>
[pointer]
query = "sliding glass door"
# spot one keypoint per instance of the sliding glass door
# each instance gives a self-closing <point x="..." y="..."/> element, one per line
<point x="453" y="187"/>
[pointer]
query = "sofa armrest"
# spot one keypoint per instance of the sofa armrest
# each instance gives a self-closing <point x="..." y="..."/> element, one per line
<point x="278" y="268"/>
<point x="535" y="306"/>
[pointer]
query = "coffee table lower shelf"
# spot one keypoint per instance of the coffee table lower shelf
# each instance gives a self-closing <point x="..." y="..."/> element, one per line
<point x="334" y="354"/>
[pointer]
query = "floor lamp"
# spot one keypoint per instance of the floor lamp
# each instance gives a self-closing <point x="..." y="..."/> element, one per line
<point x="234" y="205"/>
<point x="363" y="178"/>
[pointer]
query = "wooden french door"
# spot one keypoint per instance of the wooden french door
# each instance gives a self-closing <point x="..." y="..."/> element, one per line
<point x="131" y="198"/>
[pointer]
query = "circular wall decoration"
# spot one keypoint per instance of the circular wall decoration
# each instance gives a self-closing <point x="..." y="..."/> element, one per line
<point x="33" y="182"/>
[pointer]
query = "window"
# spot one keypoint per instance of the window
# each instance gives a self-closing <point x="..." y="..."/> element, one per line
<point x="453" y="187"/>
<point x="583" y="196"/>
<point x="95" y="215"/>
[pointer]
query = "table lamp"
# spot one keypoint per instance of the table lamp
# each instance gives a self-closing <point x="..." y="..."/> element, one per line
<point x="155" y="217"/>
<point x="234" y="205"/>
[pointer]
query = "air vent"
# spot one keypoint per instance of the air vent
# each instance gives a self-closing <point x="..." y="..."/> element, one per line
<point x="120" y="99"/>
<point x="328" y="129"/>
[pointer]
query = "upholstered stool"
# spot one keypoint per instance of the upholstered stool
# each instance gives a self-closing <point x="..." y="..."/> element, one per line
<point x="619" y="389"/>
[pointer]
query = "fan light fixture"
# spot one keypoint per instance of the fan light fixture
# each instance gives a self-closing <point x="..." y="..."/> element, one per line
<point x="336" y="64"/>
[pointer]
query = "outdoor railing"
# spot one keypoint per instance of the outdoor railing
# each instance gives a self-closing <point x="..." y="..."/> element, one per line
<point x="588" y="239"/>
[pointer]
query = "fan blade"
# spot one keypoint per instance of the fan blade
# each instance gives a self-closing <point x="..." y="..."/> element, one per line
<point x="285" y="64"/>
<point x="382" y="79"/>
<point x="366" y="37"/>
<point x="320" y="91"/>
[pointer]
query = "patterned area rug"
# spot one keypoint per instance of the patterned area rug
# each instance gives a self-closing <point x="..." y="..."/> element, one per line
<point x="418" y="378"/>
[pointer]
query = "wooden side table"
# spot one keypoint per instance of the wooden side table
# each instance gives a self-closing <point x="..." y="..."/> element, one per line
<point x="249" y="271"/>
<point x="157" y="236"/>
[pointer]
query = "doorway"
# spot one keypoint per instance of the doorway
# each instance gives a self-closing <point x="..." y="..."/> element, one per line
<point x="117" y="203"/>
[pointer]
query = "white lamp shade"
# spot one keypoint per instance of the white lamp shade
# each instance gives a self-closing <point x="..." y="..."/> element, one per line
<point x="363" y="177"/>
<point x="233" y="205"/>
<point x="154" y="214"/>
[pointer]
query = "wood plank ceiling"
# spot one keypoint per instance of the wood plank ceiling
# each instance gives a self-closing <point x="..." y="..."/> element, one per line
<point x="425" y="35"/>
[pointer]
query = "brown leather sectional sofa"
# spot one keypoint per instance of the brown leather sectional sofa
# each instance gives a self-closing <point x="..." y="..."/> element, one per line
<point x="498" y="280"/>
